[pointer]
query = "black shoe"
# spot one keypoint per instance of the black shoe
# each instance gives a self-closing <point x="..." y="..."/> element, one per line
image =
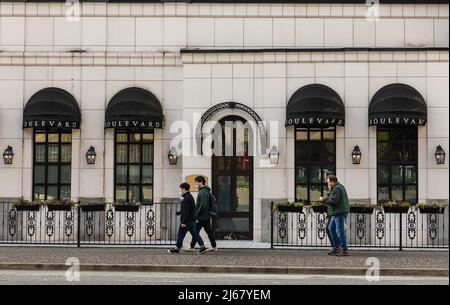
<point x="202" y="250"/>
<point x="334" y="252"/>
<point x="343" y="253"/>
<point x="173" y="251"/>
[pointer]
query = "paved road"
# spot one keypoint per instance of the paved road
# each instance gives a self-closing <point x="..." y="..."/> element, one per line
<point x="14" y="277"/>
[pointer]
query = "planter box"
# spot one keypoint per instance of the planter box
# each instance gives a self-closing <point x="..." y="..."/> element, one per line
<point x="292" y="209"/>
<point x="93" y="208"/>
<point x="126" y="208"/>
<point x="31" y="207"/>
<point x="59" y="207"/>
<point x="432" y="210"/>
<point x="320" y="209"/>
<point x="361" y="210"/>
<point x="396" y="209"/>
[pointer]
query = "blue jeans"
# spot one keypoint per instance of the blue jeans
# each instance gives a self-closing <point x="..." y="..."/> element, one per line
<point x="336" y="232"/>
<point x="191" y="228"/>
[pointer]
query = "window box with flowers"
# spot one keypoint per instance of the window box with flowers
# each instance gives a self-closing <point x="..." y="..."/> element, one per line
<point x="361" y="208"/>
<point x="433" y="208"/>
<point x="319" y="207"/>
<point x="396" y="207"/>
<point x="25" y="205"/>
<point x="60" y="205"/>
<point x="292" y="207"/>
<point x="127" y="207"/>
<point x="93" y="207"/>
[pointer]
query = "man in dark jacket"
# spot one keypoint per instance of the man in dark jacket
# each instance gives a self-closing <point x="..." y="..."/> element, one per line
<point x="338" y="209"/>
<point x="187" y="219"/>
<point x="202" y="212"/>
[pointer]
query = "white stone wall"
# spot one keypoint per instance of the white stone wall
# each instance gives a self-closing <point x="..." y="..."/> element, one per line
<point x="115" y="46"/>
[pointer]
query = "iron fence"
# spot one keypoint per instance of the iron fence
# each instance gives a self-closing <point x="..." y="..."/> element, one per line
<point x="155" y="224"/>
<point x="369" y="228"/>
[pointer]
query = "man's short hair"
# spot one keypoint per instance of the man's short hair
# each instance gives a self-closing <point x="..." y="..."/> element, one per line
<point x="332" y="178"/>
<point x="185" y="186"/>
<point x="200" y="179"/>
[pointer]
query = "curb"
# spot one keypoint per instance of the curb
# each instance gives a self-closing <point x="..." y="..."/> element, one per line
<point x="435" y="272"/>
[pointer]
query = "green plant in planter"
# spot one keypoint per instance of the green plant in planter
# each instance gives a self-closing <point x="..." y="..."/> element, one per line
<point x="59" y="205"/>
<point x="289" y="206"/>
<point x="23" y="204"/>
<point x="319" y="207"/>
<point x="127" y="207"/>
<point x="433" y="208"/>
<point x="362" y="208"/>
<point x="396" y="207"/>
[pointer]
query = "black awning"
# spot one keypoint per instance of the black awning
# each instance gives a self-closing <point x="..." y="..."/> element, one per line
<point x="52" y="108"/>
<point x="134" y="108"/>
<point x="397" y="104"/>
<point x="315" y="105"/>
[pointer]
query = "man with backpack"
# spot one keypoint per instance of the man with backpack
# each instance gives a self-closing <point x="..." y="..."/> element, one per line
<point x="204" y="210"/>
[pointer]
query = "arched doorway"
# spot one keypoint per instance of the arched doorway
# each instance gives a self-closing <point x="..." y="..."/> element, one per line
<point x="232" y="179"/>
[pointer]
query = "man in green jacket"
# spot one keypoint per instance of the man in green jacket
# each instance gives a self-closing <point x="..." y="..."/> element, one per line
<point x="202" y="212"/>
<point x="338" y="209"/>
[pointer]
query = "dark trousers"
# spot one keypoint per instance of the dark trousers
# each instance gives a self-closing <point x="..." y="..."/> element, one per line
<point x="205" y="224"/>
<point x="191" y="228"/>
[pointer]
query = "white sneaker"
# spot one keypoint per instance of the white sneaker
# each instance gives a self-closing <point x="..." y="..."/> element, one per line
<point x="212" y="249"/>
<point x="189" y="249"/>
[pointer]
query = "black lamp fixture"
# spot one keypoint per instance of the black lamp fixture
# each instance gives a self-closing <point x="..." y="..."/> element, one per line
<point x="440" y="155"/>
<point x="356" y="155"/>
<point x="8" y="155"/>
<point x="173" y="157"/>
<point x="274" y="155"/>
<point x="91" y="155"/>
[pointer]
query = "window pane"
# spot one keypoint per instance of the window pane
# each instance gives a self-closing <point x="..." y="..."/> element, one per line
<point x="39" y="193"/>
<point x="224" y="193"/>
<point x="39" y="151"/>
<point x="223" y="162"/>
<point x="66" y="137"/>
<point x="315" y="135"/>
<point x="301" y="152"/>
<point x="52" y="193"/>
<point x="327" y="170"/>
<point x="135" y="137"/>
<point x="315" y="174"/>
<point x="147" y="153"/>
<point x="122" y="137"/>
<point x="121" y="193"/>
<point x="65" y="193"/>
<point x="328" y="135"/>
<point x="383" y="135"/>
<point x="53" y="138"/>
<point x="243" y="194"/>
<point x="410" y="173"/>
<point x="397" y="152"/>
<point x="66" y="153"/>
<point x="121" y="152"/>
<point x="383" y="174"/>
<point x="410" y="152"/>
<point x="411" y="194"/>
<point x="52" y="174"/>
<point x="302" y="135"/>
<point x="147" y="137"/>
<point x="314" y="151"/>
<point x="315" y="192"/>
<point x="121" y="174"/>
<point x="383" y="194"/>
<point x="135" y="153"/>
<point x="66" y="174"/>
<point x="397" y="174"/>
<point x="53" y="153"/>
<point x="397" y="193"/>
<point x="147" y="174"/>
<point x="39" y="137"/>
<point x="302" y="192"/>
<point x="302" y="174"/>
<point x="383" y="152"/>
<point x="135" y="176"/>
<point x="329" y="152"/>
<point x="134" y="194"/>
<point x="147" y="192"/>
<point x="39" y="174"/>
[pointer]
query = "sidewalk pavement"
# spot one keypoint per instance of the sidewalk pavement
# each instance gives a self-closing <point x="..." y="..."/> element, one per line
<point x="395" y="263"/>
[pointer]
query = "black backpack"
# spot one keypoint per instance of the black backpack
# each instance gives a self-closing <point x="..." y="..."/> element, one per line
<point x="213" y="206"/>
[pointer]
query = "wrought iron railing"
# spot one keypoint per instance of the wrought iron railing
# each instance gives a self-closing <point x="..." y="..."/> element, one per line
<point x="155" y="224"/>
<point x="364" y="229"/>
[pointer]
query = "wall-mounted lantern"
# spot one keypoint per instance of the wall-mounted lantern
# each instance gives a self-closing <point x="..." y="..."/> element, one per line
<point x="173" y="157"/>
<point x="274" y="155"/>
<point x="356" y="155"/>
<point x="91" y="155"/>
<point x="440" y="155"/>
<point x="8" y="155"/>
